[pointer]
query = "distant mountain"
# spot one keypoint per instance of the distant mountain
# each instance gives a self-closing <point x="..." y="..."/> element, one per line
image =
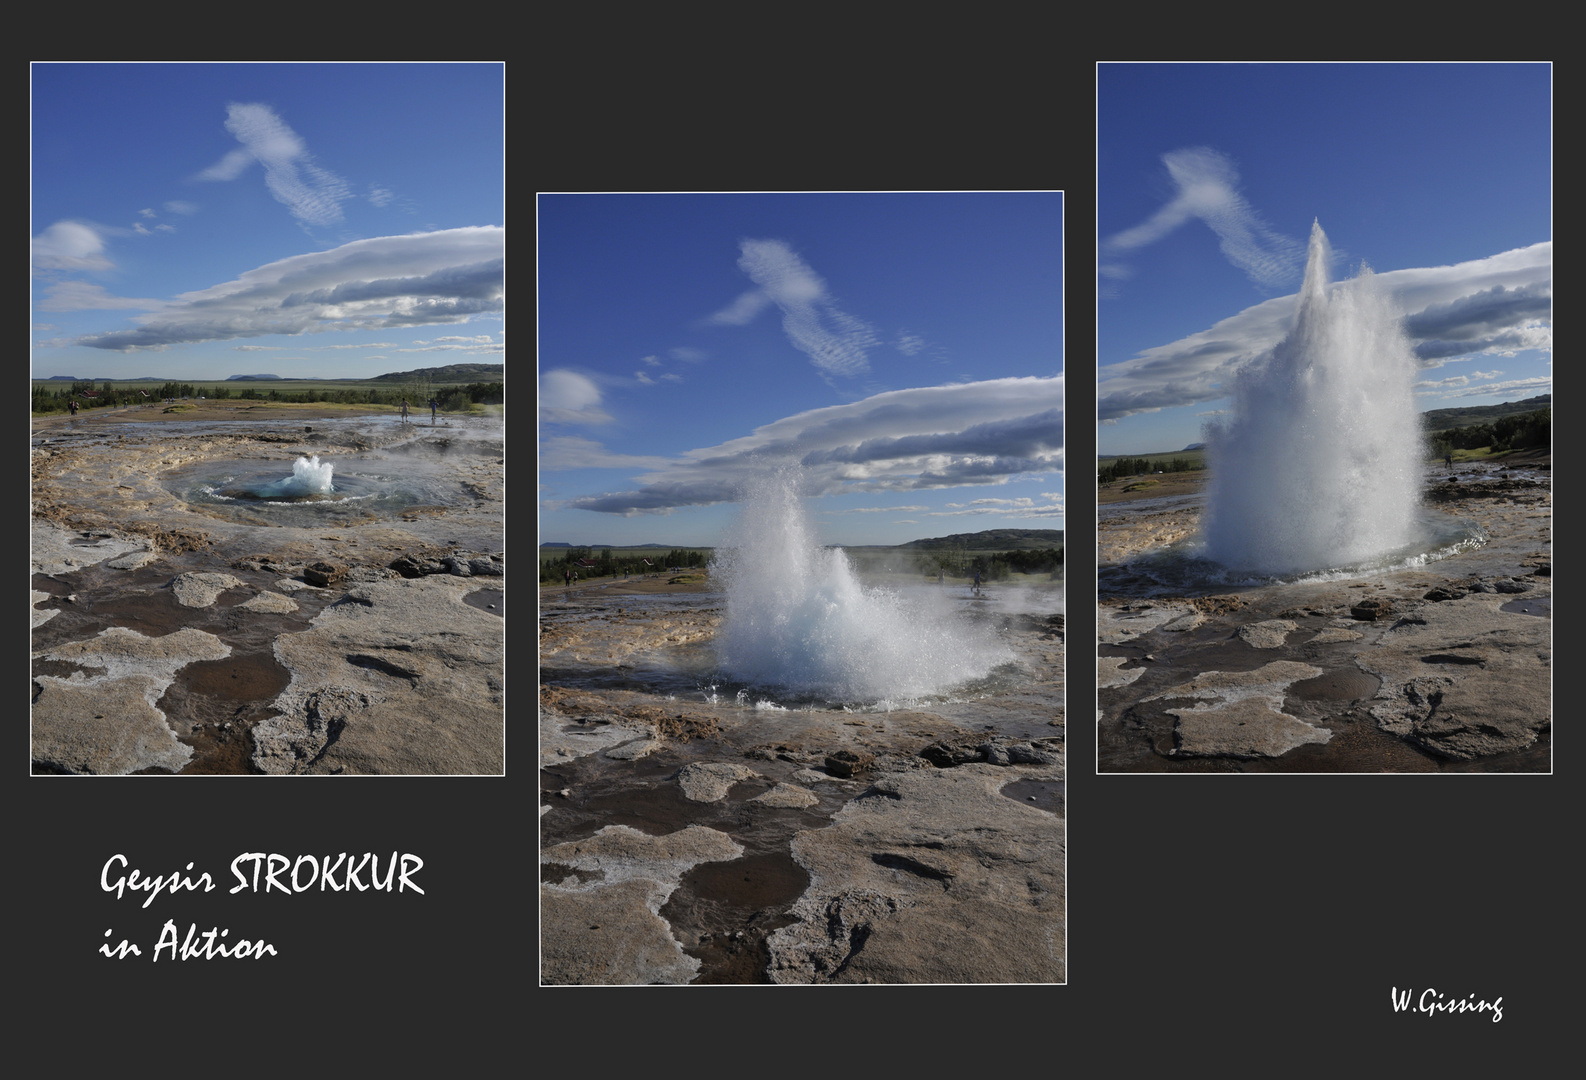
<point x="65" y="378"/>
<point x="1196" y="446"/>
<point x="250" y="378"/>
<point x="449" y="373"/>
<point x="1443" y="419"/>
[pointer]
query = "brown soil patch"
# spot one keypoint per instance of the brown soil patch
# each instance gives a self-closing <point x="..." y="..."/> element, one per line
<point x="1167" y="484"/>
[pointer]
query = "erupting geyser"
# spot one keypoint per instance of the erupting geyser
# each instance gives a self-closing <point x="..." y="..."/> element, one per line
<point x="310" y="476"/>
<point x="799" y="619"/>
<point x="1318" y="466"/>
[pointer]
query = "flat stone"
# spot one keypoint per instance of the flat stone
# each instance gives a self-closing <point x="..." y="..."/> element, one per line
<point x="709" y="781"/>
<point x="601" y="924"/>
<point x="1110" y="671"/>
<point x="104" y="720"/>
<point x="1464" y="679"/>
<point x="202" y="589"/>
<point x="788" y="795"/>
<point x="1268" y="634"/>
<point x="902" y="871"/>
<point x="273" y="603"/>
<point x="400" y="676"/>
<point x="1244" y="716"/>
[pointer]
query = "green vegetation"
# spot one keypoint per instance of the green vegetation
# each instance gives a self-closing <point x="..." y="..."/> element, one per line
<point x="1109" y="470"/>
<point x="1472" y="415"/>
<point x="556" y="562"/>
<point x="1515" y="431"/>
<point x="52" y="395"/>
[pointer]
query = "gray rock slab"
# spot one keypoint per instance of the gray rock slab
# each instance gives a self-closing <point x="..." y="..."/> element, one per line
<point x="1110" y="672"/>
<point x="1243" y="714"/>
<point x="931" y="876"/>
<point x="273" y="603"/>
<point x="709" y="781"/>
<point x="397" y="677"/>
<point x="104" y="719"/>
<point x="57" y="550"/>
<point x="563" y="738"/>
<point x="39" y="618"/>
<point x="1115" y="625"/>
<point x="601" y="924"/>
<point x="202" y="589"/>
<point x="788" y="795"/>
<point x="1267" y="634"/>
<point x="1464" y="679"/>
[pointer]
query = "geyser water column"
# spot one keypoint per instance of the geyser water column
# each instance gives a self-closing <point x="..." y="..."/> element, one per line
<point x="1317" y="467"/>
<point x="798" y="619"/>
<point x="310" y="477"/>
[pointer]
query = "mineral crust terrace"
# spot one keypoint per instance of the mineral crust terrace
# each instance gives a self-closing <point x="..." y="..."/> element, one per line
<point x="169" y="639"/>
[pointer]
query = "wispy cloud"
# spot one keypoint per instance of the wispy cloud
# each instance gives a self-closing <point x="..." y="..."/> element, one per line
<point x="312" y="194"/>
<point x="1491" y="306"/>
<point x="391" y="281"/>
<point x="1207" y="184"/>
<point x="82" y="296"/>
<point x="902" y="440"/>
<point x="835" y="341"/>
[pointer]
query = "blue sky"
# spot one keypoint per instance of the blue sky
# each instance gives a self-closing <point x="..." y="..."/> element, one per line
<point x="906" y="348"/>
<point x="1437" y="176"/>
<point x="196" y="221"/>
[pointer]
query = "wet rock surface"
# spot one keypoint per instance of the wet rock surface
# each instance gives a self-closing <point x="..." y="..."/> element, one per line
<point x="1433" y="668"/>
<point x="962" y="863"/>
<point x="412" y="683"/>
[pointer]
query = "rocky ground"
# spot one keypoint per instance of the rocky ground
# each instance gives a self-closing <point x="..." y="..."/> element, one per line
<point x="689" y="836"/>
<point x="169" y="638"/>
<point x="1445" y="667"/>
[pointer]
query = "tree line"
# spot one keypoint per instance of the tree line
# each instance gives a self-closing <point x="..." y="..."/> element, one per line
<point x="609" y="564"/>
<point x="1516" y="432"/>
<point x="1119" y="468"/>
<point x="48" y="399"/>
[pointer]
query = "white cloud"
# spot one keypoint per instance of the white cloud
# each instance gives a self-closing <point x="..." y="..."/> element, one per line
<point x="919" y="439"/>
<point x="1207" y="189"/>
<point x="1542" y="384"/>
<point x="384" y="282"/>
<point x="834" y="340"/>
<point x="70" y="245"/>
<point x="566" y="397"/>
<point x="1495" y="305"/>
<point x="312" y="194"/>
<point x="81" y="296"/>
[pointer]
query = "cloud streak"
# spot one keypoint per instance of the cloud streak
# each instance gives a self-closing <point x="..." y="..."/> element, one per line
<point x="835" y="341"/>
<point x="1497" y="305"/>
<point x="312" y="194"/>
<point x="980" y="433"/>
<point x="1207" y="189"/>
<point x="390" y="281"/>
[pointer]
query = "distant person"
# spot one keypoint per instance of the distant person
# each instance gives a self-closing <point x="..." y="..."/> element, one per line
<point x="1448" y="459"/>
<point x="567" y="576"/>
<point x="404" y="410"/>
<point x="433" y="406"/>
<point x="72" y="406"/>
<point x="941" y="576"/>
<point x="977" y="581"/>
